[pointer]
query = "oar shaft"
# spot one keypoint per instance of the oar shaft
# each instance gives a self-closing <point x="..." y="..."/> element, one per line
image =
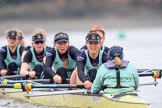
<point x="15" y="86"/>
<point x="151" y="83"/>
<point x="7" y="86"/>
<point x="155" y="74"/>
<point x="42" y="81"/>
<point x="57" y="86"/>
<point x="145" y="74"/>
<point x="146" y="70"/>
<point x="143" y="70"/>
<point x="14" y="77"/>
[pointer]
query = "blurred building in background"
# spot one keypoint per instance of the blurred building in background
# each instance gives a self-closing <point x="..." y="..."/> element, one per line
<point x="79" y="14"/>
<point x="71" y="8"/>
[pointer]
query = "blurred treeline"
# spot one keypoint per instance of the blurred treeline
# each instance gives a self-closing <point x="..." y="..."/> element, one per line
<point x="71" y="8"/>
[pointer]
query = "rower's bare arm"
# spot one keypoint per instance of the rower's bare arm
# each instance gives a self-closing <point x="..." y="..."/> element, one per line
<point x="24" y="69"/>
<point x="22" y="56"/>
<point x="44" y="59"/>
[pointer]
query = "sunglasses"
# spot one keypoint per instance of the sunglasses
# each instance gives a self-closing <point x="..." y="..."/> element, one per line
<point x="12" y="38"/>
<point x="41" y="42"/>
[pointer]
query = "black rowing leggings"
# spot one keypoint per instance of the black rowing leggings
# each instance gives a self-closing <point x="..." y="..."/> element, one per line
<point x="62" y="72"/>
<point x="39" y="70"/>
<point x="92" y="75"/>
<point x="12" y="69"/>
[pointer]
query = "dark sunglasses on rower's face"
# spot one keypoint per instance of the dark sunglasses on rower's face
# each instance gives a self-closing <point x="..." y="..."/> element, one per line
<point x="12" y="38"/>
<point x="39" y="42"/>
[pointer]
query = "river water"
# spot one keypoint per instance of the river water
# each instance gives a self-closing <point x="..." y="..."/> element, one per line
<point x="142" y="47"/>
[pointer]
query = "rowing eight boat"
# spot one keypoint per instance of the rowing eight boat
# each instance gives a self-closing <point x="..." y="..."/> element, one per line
<point x="80" y="99"/>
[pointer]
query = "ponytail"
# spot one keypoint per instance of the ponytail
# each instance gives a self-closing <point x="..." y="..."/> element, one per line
<point x="117" y="62"/>
<point x="66" y="64"/>
<point x="22" y="43"/>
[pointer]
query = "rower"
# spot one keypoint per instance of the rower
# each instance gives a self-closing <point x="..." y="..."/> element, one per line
<point x="21" y="38"/>
<point x="32" y="65"/>
<point x="90" y="60"/>
<point x="117" y="75"/>
<point x="100" y="30"/>
<point x="10" y="55"/>
<point x="61" y="60"/>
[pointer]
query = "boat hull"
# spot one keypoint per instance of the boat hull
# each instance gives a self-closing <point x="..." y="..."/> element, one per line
<point x="82" y="100"/>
